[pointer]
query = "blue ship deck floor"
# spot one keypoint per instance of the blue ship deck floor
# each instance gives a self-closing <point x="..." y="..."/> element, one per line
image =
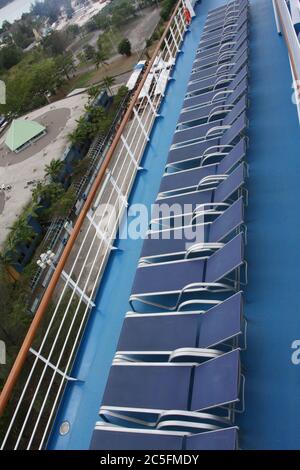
<point x="273" y="218"/>
<point x="81" y="401"/>
<point x="272" y="416"/>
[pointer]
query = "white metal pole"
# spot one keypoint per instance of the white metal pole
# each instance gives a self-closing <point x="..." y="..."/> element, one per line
<point x="151" y="105"/>
<point x="141" y="124"/>
<point x="180" y="14"/>
<point x="97" y="202"/>
<point x="174" y="39"/>
<point x="77" y="289"/>
<point x="118" y="190"/>
<point x="168" y="47"/>
<point x="130" y="153"/>
<point x="100" y="232"/>
<point x="52" y="366"/>
<point x="177" y="26"/>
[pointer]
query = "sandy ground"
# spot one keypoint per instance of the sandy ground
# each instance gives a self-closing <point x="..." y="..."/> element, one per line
<point x="29" y="165"/>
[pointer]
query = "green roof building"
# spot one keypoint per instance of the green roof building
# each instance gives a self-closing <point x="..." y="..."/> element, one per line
<point x="22" y="133"/>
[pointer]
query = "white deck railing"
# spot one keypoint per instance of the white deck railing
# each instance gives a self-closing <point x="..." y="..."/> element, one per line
<point x="50" y="359"/>
<point x="286" y="26"/>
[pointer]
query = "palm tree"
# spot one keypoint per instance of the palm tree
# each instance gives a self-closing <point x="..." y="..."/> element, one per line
<point x="125" y="47"/>
<point x="50" y="192"/>
<point x="108" y="82"/>
<point x="54" y="168"/>
<point x="100" y="59"/>
<point x="64" y="204"/>
<point x="66" y="65"/>
<point x="94" y="91"/>
<point x="81" y="168"/>
<point x="21" y="232"/>
<point x="83" y="132"/>
<point x="37" y="191"/>
<point x="96" y="114"/>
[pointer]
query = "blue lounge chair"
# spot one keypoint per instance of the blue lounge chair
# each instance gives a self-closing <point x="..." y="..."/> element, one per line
<point x="223" y="56"/>
<point x="146" y="391"/>
<point x="167" y="285"/>
<point x="219" y="43"/>
<point x="215" y="30"/>
<point x="107" y="437"/>
<point x="203" y="85"/>
<point x="189" y="180"/>
<point x="188" y="208"/>
<point x="203" y="237"/>
<point x="201" y="114"/>
<point x="230" y="10"/>
<point x="200" y="87"/>
<point x="227" y="41"/>
<point x="229" y="24"/>
<point x="224" y="88"/>
<point x="209" y="190"/>
<point x="167" y="332"/>
<point x="199" y="132"/>
<point x="231" y="68"/>
<point x="187" y="156"/>
<point x="222" y="68"/>
<point x="222" y="26"/>
<point x="213" y="83"/>
<point x="226" y="7"/>
<point x="186" y="213"/>
<point x="208" y="66"/>
<point x="223" y="43"/>
<point x="219" y="59"/>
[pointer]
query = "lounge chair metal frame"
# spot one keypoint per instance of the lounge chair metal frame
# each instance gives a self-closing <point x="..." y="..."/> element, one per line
<point x="159" y="415"/>
<point x="228" y="284"/>
<point x="212" y="150"/>
<point x="232" y="342"/>
<point x="183" y="429"/>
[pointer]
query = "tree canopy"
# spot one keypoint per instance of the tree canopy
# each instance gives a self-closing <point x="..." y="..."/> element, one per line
<point x="125" y="47"/>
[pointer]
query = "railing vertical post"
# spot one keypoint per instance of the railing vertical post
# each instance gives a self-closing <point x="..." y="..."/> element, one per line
<point x="100" y="194"/>
<point x="178" y="29"/>
<point x="118" y="190"/>
<point x="130" y="153"/>
<point x="151" y="104"/>
<point x="174" y="39"/>
<point x="182" y="20"/>
<point x="141" y="124"/>
<point x="77" y="289"/>
<point x="100" y="232"/>
<point x="168" y="47"/>
<point x="52" y="366"/>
